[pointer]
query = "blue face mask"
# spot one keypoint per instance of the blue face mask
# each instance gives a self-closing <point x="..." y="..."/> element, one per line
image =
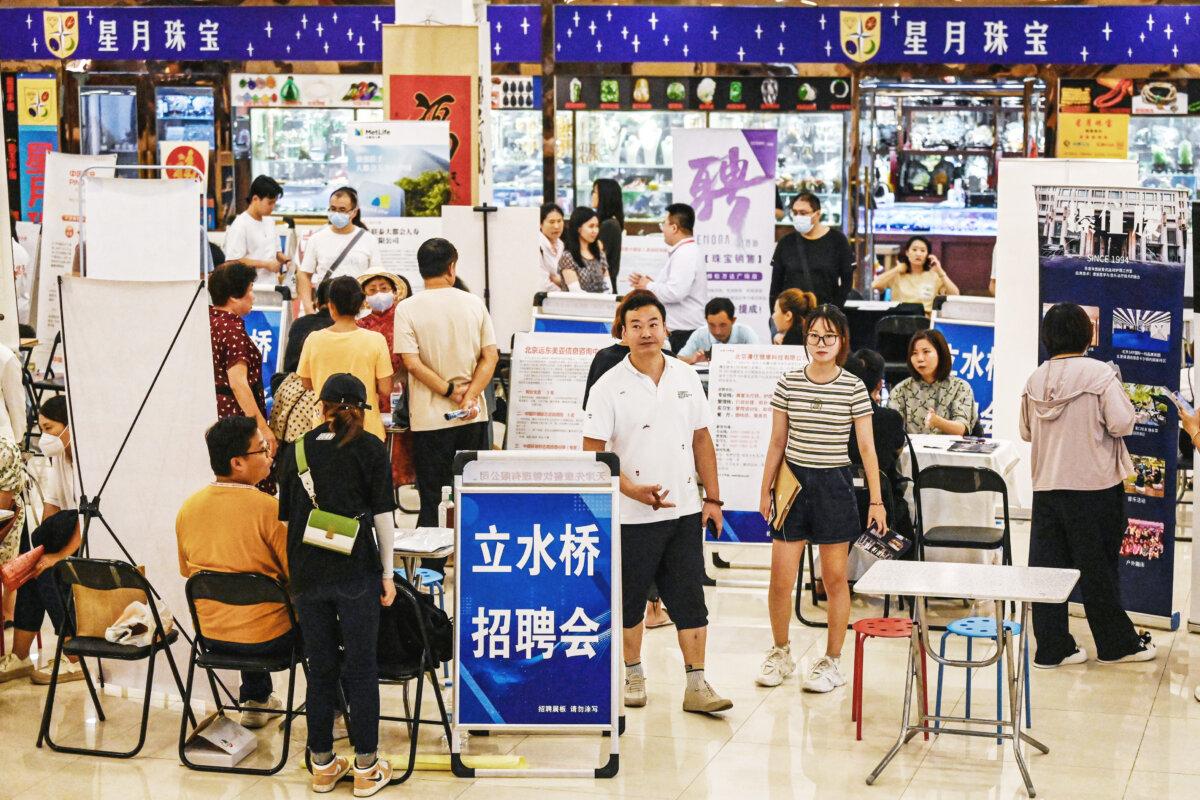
<point x="803" y="223"/>
<point x="339" y="219"/>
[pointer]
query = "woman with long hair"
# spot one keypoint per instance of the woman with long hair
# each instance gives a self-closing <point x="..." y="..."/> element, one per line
<point x="338" y="594"/>
<point x="343" y="247"/>
<point x="610" y="208"/>
<point x="791" y="307"/>
<point x="919" y="276"/>
<point x="583" y="267"/>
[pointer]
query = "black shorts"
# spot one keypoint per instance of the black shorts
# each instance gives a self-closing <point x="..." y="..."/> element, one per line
<point x="825" y="511"/>
<point x="668" y="554"/>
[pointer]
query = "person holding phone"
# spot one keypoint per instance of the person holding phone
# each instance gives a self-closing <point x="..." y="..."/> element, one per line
<point x="814" y="409"/>
<point x="651" y="411"/>
<point x="919" y="276"/>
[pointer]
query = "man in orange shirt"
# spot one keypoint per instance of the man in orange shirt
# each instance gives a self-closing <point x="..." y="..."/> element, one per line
<point x="230" y="526"/>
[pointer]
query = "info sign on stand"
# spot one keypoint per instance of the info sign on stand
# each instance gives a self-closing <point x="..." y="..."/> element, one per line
<point x="538" y="636"/>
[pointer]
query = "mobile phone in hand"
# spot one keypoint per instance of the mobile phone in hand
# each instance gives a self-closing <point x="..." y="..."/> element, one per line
<point x="1181" y="402"/>
<point x="711" y="530"/>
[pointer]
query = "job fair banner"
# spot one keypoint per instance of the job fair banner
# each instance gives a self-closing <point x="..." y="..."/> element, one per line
<point x="741" y="382"/>
<point x="971" y="350"/>
<point x="728" y="177"/>
<point x="535" y="615"/>
<point x="1119" y="253"/>
<point x="549" y="373"/>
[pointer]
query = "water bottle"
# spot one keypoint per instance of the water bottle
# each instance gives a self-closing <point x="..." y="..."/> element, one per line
<point x="446" y="509"/>
<point x="397" y="398"/>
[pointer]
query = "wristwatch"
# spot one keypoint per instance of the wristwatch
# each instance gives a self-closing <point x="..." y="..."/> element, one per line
<point x="449" y="388"/>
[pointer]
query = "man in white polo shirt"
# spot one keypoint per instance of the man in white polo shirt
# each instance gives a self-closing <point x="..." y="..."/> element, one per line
<point x="651" y="411"/>
<point x="683" y="284"/>
<point x="251" y="236"/>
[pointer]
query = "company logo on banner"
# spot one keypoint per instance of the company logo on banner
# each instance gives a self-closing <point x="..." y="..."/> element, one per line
<point x="535" y="622"/>
<point x="1119" y="254"/>
<point x="61" y="29"/>
<point x="728" y="177"/>
<point x="971" y="349"/>
<point x="860" y="34"/>
<point x="37" y="135"/>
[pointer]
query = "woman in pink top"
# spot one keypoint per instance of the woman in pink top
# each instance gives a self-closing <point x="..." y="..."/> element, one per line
<point x="1076" y="414"/>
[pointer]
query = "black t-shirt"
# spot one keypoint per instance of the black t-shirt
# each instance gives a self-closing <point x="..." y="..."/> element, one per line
<point x="830" y="261"/>
<point x="298" y="332"/>
<point x="887" y="425"/>
<point x="354" y="480"/>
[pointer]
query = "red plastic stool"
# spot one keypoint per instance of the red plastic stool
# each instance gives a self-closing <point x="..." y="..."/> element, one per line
<point x="880" y="628"/>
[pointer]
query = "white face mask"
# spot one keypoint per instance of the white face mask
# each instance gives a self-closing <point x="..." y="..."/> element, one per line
<point x="381" y="301"/>
<point x="51" y="446"/>
<point x="803" y="223"/>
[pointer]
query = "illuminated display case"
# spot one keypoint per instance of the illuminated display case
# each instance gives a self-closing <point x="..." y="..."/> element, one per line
<point x="516" y="140"/>
<point x="1165" y="149"/>
<point x="185" y="114"/>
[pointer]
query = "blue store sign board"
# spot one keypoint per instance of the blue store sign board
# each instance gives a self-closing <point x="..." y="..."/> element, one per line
<point x="971" y="348"/>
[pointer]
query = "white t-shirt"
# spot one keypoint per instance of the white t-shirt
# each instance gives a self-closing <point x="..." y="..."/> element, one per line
<point x="325" y="246"/>
<point x="59" y="487"/>
<point x="248" y="237"/>
<point x="650" y="428"/>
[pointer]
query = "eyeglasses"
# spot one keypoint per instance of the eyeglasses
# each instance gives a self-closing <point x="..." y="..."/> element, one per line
<point x="265" y="451"/>
<point x="826" y="340"/>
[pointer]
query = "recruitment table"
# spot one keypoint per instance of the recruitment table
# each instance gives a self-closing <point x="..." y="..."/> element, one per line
<point x="1000" y="584"/>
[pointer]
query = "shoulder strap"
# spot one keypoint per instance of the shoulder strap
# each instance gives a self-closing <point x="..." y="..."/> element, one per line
<point x="345" y="252"/>
<point x="302" y="471"/>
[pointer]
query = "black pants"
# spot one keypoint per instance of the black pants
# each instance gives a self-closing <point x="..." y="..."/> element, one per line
<point x="669" y="555"/>
<point x="332" y="615"/>
<point x="433" y="460"/>
<point x="678" y="339"/>
<point x="1081" y="530"/>
<point x="256" y="686"/>
<point x="37" y="598"/>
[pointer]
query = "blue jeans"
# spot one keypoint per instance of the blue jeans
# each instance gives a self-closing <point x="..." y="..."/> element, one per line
<point x="333" y="616"/>
<point x="256" y="686"/>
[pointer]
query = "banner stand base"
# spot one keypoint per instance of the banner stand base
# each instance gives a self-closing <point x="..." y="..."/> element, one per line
<point x="733" y="583"/>
<point x="1155" y="621"/>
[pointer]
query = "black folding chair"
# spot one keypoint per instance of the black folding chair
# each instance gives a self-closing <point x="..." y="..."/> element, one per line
<point x="104" y="575"/>
<point x="238" y="589"/>
<point x="891" y="340"/>
<point x="962" y="480"/>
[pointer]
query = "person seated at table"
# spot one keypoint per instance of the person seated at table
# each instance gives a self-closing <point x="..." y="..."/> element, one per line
<point x="722" y="328"/>
<point x="550" y="245"/>
<point x="932" y="400"/>
<point x="229" y="526"/>
<point x="919" y="276"/>
<point x="887" y="427"/>
<point x="789" y="312"/>
<point x="1076" y="414"/>
<point x="583" y="266"/>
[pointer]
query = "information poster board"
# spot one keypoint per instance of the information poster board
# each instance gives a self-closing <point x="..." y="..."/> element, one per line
<point x="645" y="255"/>
<point x="400" y="169"/>
<point x="728" y="177"/>
<point x="741" y="381"/>
<point x="1119" y="254"/>
<point x="537" y="642"/>
<point x="971" y="349"/>
<point x="549" y="373"/>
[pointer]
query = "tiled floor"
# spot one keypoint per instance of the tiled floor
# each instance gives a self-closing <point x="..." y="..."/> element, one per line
<point x="1129" y="731"/>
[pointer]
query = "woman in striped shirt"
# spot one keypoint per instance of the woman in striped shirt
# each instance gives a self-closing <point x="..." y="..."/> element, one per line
<point x="814" y="409"/>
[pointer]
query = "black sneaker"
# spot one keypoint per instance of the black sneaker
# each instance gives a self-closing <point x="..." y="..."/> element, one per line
<point x="1145" y="651"/>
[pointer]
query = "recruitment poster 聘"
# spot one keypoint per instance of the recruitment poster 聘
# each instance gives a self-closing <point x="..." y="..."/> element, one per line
<point x="1119" y="253"/>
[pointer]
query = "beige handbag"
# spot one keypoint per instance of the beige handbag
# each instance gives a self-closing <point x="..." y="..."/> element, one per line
<point x="787" y="488"/>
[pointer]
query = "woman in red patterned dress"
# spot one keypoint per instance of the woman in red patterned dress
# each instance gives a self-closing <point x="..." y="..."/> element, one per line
<point x="237" y="361"/>
<point x="384" y="291"/>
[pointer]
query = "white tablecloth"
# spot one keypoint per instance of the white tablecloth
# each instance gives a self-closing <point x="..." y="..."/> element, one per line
<point x="946" y="508"/>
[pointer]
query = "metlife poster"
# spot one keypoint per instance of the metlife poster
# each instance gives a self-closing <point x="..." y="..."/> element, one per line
<point x="1119" y="253"/>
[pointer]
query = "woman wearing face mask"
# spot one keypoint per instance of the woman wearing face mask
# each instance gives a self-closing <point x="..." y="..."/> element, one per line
<point x="237" y="361"/>
<point x="550" y="245"/>
<point x="919" y="277"/>
<point x="583" y="267"/>
<point x="384" y="291"/>
<point x="344" y="247"/>
<point x="59" y="534"/>
<point x="789" y="311"/>
<point x="814" y="257"/>
<point x="932" y="400"/>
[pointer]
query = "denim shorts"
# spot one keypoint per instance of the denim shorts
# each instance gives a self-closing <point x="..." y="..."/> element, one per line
<point x="825" y="511"/>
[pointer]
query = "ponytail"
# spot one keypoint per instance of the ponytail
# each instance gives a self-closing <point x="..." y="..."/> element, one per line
<point x="345" y="421"/>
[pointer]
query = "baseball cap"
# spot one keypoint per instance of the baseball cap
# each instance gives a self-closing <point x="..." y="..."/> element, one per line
<point x="344" y="389"/>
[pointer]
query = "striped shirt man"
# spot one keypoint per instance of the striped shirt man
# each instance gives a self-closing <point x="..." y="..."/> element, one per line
<point x="820" y="416"/>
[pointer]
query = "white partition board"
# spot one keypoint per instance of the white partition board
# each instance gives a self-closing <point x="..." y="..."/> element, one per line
<point x="164" y="216"/>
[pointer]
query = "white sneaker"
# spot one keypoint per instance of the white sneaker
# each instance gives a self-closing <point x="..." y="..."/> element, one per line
<point x="12" y="667"/>
<point x="66" y="673"/>
<point x="255" y="716"/>
<point x="1078" y="657"/>
<point x="1144" y="652"/>
<point x="635" y="690"/>
<point x="824" y="675"/>
<point x="777" y="666"/>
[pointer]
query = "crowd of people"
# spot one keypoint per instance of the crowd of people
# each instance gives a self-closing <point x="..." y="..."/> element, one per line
<point x="369" y="352"/>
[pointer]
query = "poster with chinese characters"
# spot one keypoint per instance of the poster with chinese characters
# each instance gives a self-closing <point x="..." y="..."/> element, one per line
<point x="400" y="169"/>
<point x="741" y="381"/>
<point x="446" y="98"/>
<point x="1119" y="254"/>
<point x="971" y="349"/>
<point x="728" y="177"/>
<point x="37" y="134"/>
<point x="1093" y="136"/>
<point x="549" y="373"/>
<point x="535" y="607"/>
<point x="399" y="238"/>
<point x="265" y="327"/>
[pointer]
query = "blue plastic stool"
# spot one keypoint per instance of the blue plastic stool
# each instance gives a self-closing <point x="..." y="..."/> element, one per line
<point x="431" y="580"/>
<point x="983" y="628"/>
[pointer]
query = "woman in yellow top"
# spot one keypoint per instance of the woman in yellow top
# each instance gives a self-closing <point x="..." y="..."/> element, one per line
<point x="345" y="347"/>
<point x="919" y="277"/>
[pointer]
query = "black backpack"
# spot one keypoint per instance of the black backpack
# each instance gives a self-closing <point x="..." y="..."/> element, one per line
<point x="400" y="646"/>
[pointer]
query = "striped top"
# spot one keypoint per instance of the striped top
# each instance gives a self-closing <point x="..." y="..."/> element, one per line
<point x="819" y="417"/>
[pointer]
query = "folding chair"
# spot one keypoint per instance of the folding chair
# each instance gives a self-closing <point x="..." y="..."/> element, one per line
<point x="238" y="589"/>
<point x="104" y="575"/>
<point x="962" y="480"/>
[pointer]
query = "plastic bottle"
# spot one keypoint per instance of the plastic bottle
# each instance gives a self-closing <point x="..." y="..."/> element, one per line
<point x="397" y="399"/>
<point x="446" y="509"/>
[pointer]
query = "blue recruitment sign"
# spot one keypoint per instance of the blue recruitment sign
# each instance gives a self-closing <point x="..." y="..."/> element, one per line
<point x="971" y="348"/>
<point x="536" y="601"/>
<point x="234" y="33"/>
<point x="1029" y="34"/>
<point x="543" y="324"/>
<point x="264" y="328"/>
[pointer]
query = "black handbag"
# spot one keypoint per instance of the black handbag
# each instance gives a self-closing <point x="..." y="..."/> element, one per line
<point x="400" y="645"/>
